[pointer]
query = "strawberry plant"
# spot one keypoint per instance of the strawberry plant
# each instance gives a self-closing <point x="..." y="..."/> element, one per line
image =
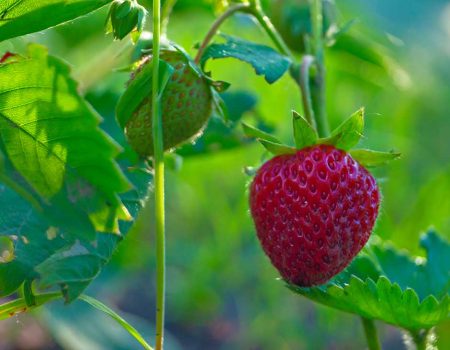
<point x="72" y="192"/>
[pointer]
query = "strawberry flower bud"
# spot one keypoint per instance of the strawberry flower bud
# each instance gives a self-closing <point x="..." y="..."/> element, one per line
<point x="125" y="17"/>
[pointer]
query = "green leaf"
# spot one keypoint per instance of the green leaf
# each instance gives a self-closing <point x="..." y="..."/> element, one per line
<point x="252" y="132"/>
<point x="139" y="89"/>
<point x="52" y="138"/>
<point x="265" y="60"/>
<point x="304" y="134"/>
<point x="369" y="158"/>
<point x="122" y="9"/>
<point x="348" y="134"/>
<point x="239" y="103"/>
<point x="363" y="53"/>
<point x="53" y="252"/>
<point x="55" y="242"/>
<point x="20" y="17"/>
<point x="116" y="317"/>
<point x="385" y="284"/>
<point x="277" y="148"/>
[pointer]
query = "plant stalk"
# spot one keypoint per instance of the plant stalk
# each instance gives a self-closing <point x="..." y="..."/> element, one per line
<point x="165" y="14"/>
<point x="158" y="180"/>
<point x="371" y="334"/>
<point x="215" y="28"/>
<point x="19" y="305"/>
<point x="303" y="81"/>
<point x="318" y="82"/>
<point x="253" y="8"/>
<point x="257" y="11"/>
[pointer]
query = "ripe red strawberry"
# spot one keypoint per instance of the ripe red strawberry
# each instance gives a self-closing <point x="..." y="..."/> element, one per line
<point x="313" y="212"/>
<point x="187" y="104"/>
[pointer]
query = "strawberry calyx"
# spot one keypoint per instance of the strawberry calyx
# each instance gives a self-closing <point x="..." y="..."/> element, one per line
<point x="345" y="137"/>
<point x="140" y="84"/>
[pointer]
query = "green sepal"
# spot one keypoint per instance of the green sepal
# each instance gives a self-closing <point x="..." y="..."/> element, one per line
<point x="277" y="148"/>
<point x="220" y="107"/>
<point x="189" y="60"/>
<point x="137" y="32"/>
<point x="140" y="88"/>
<point x="348" y="134"/>
<point x="125" y="17"/>
<point x="369" y="158"/>
<point x="28" y="294"/>
<point x="252" y="132"/>
<point x="304" y="134"/>
<point x="121" y="10"/>
<point x="218" y="85"/>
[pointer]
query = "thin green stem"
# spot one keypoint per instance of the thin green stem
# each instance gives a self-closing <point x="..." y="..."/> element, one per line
<point x="257" y="11"/>
<point x="19" y="305"/>
<point x="159" y="180"/>
<point x="318" y="83"/>
<point x="253" y="8"/>
<point x="303" y="80"/>
<point x="215" y="28"/>
<point x="317" y="25"/>
<point x="371" y="334"/>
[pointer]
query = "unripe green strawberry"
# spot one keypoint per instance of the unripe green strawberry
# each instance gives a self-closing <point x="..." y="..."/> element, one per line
<point x="187" y="104"/>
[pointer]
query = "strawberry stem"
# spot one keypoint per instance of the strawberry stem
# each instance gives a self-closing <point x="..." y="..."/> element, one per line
<point x="371" y="334"/>
<point x="304" y="83"/>
<point x="257" y="11"/>
<point x="254" y="9"/>
<point x="318" y="82"/>
<point x="159" y="180"/>
<point x="165" y="14"/>
<point x="215" y="28"/>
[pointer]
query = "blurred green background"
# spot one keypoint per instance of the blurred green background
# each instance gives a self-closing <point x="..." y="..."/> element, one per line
<point x="222" y="291"/>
